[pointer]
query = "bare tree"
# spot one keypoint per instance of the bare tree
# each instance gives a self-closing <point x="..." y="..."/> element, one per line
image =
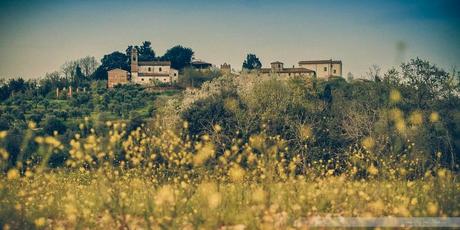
<point x="88" y="65"/>
<point x="374" y="72"/>
<point x="68" y="69"/>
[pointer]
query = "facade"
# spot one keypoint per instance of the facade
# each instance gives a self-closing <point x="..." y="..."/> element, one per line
<point x="277" y="68"/>
<point x="323" y="68"/>
<point x="151" y="72"/>
<point x="116" y="77"/>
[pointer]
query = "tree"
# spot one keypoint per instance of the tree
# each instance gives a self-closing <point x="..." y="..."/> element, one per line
<point x="4" y="92"/>
<point x="115" y="60"/>
<point x="195" y="78"/>
<point x="17" y="85"/>
<point x="79" y="77"/>
<point x="374" y="73"/>
<point x="4" y="124"/>
<point x="88" y="65"/>
<point x="350" y="77"/>
<point x="179" y="56"/>
<point x="146" y="52"/>
<point x="50" y="82"/>
<point x="54" y="124"/>
<point x="111" y="61"/>
<point x="68" y="69"/>
<point x="252" y="62"/>
<point x="428" y="80"/>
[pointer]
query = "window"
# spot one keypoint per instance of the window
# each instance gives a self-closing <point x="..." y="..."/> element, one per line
<point x="150" y="69"/>
<point x="160" y="69"/>
<point x="134" y="58"/>
<point x="175" y="74"/>
<point x="142" y="79"/>
<point x="325" y="69"/>
<point x="335" y="71"/>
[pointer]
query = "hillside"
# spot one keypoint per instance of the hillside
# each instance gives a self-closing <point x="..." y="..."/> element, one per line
<point x="239" y="152"/>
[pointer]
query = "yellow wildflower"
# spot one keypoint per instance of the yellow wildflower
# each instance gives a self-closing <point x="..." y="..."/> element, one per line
<point x="395" y="96"/>
<point x="40" y="222"/>
<point x="434" y="117"/>
<point x="12" y="174"/>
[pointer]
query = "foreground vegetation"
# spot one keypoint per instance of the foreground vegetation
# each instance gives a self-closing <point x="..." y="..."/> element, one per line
<point x="247" y="152"/>
<point x="167" y="181"/>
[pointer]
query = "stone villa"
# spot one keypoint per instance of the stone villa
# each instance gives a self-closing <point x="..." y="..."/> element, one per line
<point x="277" y="68"/>
<point x="318" y="68"/>
<point x="153" y="72"/>
<point x="323" y="68"/>
<point x="144" y="72"/>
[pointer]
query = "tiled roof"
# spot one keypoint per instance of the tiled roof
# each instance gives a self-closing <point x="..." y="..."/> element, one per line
<point x="117" y="69"/>
<point x="198" y="62"/>
<point x="154" y="63"/>
<point x="153" y="75"/>
<point x="320" y="62"/>
<point x="287" y="70"/>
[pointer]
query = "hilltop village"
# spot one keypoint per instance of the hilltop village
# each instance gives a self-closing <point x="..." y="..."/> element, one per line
<point x="161" y="73"/>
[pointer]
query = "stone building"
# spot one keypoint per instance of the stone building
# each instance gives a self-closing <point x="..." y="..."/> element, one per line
<point x="277" y="68"/>
<point x="151" y="72"/>
<point x="117" y="76"/>
<point x="323" y="68"/>
<point x="200" y="65"/>
<point x="143" y="72"/>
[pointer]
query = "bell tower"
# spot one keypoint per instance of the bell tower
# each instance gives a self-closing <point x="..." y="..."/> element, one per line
<point x="134" y="60"/>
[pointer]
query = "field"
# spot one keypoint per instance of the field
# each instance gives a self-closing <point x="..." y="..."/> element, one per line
<point x="134" y="201"/>
<point x="162" y="184"/>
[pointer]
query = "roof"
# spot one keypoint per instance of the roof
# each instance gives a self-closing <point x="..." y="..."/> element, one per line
<point x="197" y="62"/>
<point x="276" y="62"/>
<point x="154" y="63"/>
<point x="153" y="74"/>
<point x="287" y="70"/>
<point x="321" y="62"/>
<point x="117" y="69"/>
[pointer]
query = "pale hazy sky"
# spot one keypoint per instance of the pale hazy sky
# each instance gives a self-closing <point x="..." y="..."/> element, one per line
<point x="39" y="36"/>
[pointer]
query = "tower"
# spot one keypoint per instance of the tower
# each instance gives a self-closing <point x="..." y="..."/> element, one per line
<point x="276" y="66"/>
<point x="134" y="60"/>
<point x="134" y="65"/>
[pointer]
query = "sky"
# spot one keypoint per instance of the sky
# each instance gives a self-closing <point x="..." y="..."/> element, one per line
<point x="37" y="37"/>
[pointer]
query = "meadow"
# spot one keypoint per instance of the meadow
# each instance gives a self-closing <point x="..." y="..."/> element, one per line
<point x="190" y="189"/>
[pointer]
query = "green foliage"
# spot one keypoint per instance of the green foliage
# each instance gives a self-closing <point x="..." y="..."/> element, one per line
<point x="109" y="62"/>
<point x="54" y="124"/>
<point x="204" y="114"/>
<point x="179" y="56"/>
<point x="195" y="78"/>
<point x="4" y="124"/>
<point x="145" y="51"/>
<point x="252" y="62"/>
<point x="395" y="116"/>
